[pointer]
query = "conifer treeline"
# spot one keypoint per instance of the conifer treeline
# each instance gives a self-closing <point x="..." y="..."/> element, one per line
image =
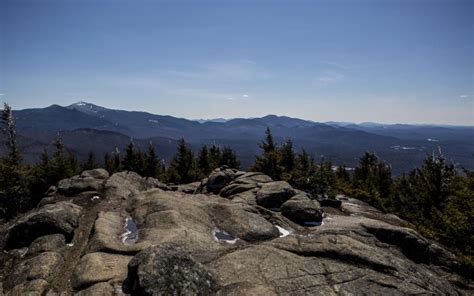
<point x="436" y="198"/>
<point x="185" y="166"/>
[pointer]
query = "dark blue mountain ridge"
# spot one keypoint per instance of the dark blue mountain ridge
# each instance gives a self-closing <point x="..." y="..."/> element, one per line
<point x="88" y="127"/>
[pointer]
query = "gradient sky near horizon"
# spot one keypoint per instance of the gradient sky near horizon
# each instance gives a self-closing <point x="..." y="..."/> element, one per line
<point x="407" y="61"/>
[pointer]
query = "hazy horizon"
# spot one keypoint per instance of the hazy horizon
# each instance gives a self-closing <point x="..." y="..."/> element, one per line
<point x="251" y="117"/>
<point x="353" y="61"/>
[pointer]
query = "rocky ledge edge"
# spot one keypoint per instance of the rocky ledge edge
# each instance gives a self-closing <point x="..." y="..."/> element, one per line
<point x="233" y="233"/>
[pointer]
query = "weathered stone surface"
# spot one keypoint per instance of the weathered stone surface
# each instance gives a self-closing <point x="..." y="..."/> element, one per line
<point x="52" y="242"/>
<point x="357" y="207"/>
<point x="31" y="288"/>
<point x="43" y="266"/>
<point x="219" y="178"/>
<point x="243" y="222"/>
<point x="155" y="183"/>
<point x="252" y="178"/>
<point x="211" y="244"/>
<point x="330" y="202"/>
<point x="100" y="267"/>
<point x="302" y="211"/>
<point x="102" y="289"/>
<point x="125" y="184"/>
<point x="189" y="188"/>
<point x="274" y="194"/>
<point x="96" y="174"/>
<point x="235" y="188"/>
<point x="164" y="217"/>
<point x="109" y="229"/>
<point x="246" y="197"/>
<point x="92" y="180"/>
<point x="168" y="270"/>
<point x="60" y="217"/>
<point x="412" y="245"/>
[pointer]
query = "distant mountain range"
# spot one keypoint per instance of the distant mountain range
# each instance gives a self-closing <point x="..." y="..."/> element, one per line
<point x="87" y="127"/>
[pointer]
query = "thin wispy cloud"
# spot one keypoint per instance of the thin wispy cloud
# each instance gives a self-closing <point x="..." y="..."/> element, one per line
<point x="237" y="98"/>
<point x="335" y="65"/>
<point x="328" y="77"/>
<point x="464" y="96"/>
<point x="1" y="95"/>
<point x="245" y="70"/>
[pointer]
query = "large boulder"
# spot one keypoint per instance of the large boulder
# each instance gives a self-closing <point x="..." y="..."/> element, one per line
<point x="236" y="188"/>
<point x="92" y="180"/>
<point x="165" y="217"/>
<point x="31" y="288"/>
<point x="42" y="266"/>
<point x="201" y="243"/>
<point x="102" y="289"/>
<point x="330" y="202"/>
<point x="413" y="245"/>
<point x="188" y="188"/>
<point x="252" y="178"/>
<point x="219" y="178"/>
<point x="61" y="217"/>
<point x="100" y="267"/>
<point x="272" y="195"/>
<point x="52" y="242"/>
<point x="168" y="270"/>
<point x="302" y="211"/>
<point x="125" y="184"/>
<point x="243" y="222"/>
<point x="110" y="232"/>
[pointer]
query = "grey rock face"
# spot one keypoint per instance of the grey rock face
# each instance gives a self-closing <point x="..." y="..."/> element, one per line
<point x="125" y="184"/>
<point x="236" y="188"/>
<point x="41" y="267"/>
<point x="302" y="211"/>
<point x="243" y="223"/>
<point x="47" y="243"/>
<point x="92" y="180"/>
<point x="34" y="287"/>
<point x="188" y="188"/>
<point x="60" y="217"/>
<point x="219" y="178"/>
<point x="274" y="194"/>
<point x="329" y="202"/>
<point x="253" y="178"/>
<point x="168" y="270"/>
<point x="249" y="238"/>
<point x="100" y="267"/>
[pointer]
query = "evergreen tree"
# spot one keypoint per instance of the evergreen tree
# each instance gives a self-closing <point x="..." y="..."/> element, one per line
<point x="323" y="179"/>
<point x="182" y="167"/>
<point x="134" y="159"/>
<point x="117" y="162"/>
<point x="204" y="163"/>
<point x="229" y="158"/>
<point x="13" y="191"/>
<point x="90" y="163"/>
<point x="214" y="157"/>
<point x="268" y="162"/>
<point x="9" y="129"/>
<point x="287" y="161"/>
<point x="302" y="171"/>
<point x="63" y="164"/>
<point x="372" y="180"/>
<point x="108" y="163"/>
<point x="341" y="174"/>
<point x="151" y="162"/>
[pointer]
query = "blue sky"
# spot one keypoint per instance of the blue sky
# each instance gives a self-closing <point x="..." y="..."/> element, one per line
<point x="387" y="61"/>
